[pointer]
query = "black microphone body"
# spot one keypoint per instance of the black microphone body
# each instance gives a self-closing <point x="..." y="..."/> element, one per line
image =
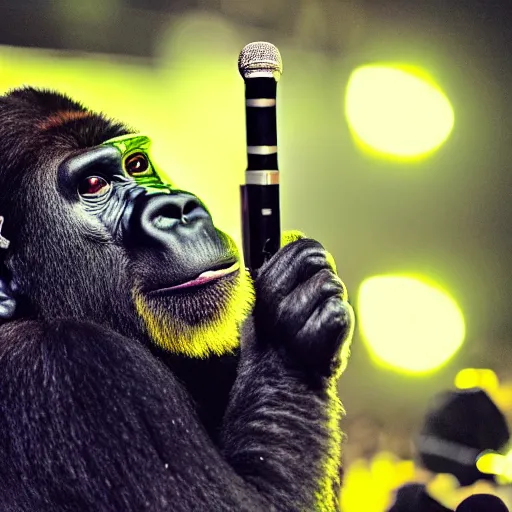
<point x="482" y="503"/>
<point x="260" y="66"/>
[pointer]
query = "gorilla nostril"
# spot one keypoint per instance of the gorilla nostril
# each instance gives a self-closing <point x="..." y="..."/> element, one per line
<point x="190" y="206"/>
<point x="193" y="210"/>
<point x="182" y="209"/>
<point x="167" y="215"/>
<point x="162" y="222"/>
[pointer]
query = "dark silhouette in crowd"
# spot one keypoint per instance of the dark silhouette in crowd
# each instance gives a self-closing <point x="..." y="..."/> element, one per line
<point x="482" y="502"/>
<point x="458" y="427"/>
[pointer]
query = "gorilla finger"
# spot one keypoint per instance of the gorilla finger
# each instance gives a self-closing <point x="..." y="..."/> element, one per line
<point x="327" y="330"/>
<point x="292" y="265"/>
<point x="333" y="317"/>
<point x="289" y="254"/>
<point x="307" y="297"/>
<point x="277" y="290"/>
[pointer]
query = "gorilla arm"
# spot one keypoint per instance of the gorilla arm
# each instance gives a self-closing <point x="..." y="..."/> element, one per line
<point x="91" y="421"/>
<point x="101" y="425"/>
<point x="284" y="411"/>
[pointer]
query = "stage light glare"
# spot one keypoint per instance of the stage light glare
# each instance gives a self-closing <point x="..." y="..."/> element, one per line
<point x="500" y="465"/>
<point x="408" y="324"/>
<point x="477" y="377"/>
<point x="397" y="111"/>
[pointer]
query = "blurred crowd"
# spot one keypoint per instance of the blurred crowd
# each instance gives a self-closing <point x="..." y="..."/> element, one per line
<point x="381" y="463"/>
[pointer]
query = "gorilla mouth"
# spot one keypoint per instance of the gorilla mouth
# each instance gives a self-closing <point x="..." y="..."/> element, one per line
<point x="205" y="277"/>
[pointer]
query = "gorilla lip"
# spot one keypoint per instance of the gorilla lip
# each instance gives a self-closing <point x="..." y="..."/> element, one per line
<point x="205" y="277"/>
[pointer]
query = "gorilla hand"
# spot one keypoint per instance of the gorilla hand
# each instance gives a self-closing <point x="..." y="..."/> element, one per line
<point x="301" y="307"/>
<point x="294" y="345"/>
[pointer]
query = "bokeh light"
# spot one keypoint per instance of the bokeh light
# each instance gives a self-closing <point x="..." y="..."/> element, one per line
<point x="382" y="475"/>
<point x="397" y="111"/>
<point x="477" y="377"/>
<point x="497" y="464"/>
<point x="409" y="324"/>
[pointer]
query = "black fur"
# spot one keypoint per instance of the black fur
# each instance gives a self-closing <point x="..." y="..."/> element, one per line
<point x="94" y="417"/>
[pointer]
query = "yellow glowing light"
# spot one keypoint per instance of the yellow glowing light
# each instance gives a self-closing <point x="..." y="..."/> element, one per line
<point x="397" y="111"/>
<point x="409" y="324"/>
<point x="477" y="377"/>
<point x="497" y="464"/>
<point x="383" y="475"/>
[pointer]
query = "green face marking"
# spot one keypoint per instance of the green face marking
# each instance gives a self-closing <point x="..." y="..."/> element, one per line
<point x="137" y="163"/>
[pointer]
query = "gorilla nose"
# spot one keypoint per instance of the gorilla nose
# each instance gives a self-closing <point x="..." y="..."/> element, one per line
<point x="165" y="212"/>
<point x="156" y="217"/>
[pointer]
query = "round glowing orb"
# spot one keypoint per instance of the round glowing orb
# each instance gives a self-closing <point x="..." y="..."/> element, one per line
<point x="408" y="324"/>
<point x="396" y="111"/>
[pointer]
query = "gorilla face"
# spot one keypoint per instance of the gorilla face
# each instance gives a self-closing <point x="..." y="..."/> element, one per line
<point x="97" y="197"/>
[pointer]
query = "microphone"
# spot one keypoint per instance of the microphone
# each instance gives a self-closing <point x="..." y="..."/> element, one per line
<point x="260" y="65"/>
<point x="482" y="503"/>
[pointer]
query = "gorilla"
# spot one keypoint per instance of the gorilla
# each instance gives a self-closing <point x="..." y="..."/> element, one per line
<point x="141" y="368"/>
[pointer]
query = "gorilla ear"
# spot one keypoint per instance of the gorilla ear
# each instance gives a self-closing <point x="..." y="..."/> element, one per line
<point x="4" y="243"/>
<point x="7" y="301"/>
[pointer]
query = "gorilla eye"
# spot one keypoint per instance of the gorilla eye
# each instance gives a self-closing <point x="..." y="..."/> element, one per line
<point x="137" y="164"/>
<point x="93" y="186"/>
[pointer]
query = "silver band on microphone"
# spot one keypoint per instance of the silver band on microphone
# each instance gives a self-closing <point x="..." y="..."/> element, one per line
<point x="260" y="102"/>
<point x="261" y="150"/>
<point x="262" y="73"/>
<point x="262" y="177"/>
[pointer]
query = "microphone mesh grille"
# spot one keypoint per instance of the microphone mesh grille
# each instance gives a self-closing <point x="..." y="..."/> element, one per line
<point x="259" y="57"/>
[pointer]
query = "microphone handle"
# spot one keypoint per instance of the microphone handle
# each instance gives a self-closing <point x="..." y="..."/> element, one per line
<point x="261" y="223"/>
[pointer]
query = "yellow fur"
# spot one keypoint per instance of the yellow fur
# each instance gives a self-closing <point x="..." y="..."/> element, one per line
<point x="213" y="337"/>
<point x="216" y="336"/>
<point x="326" y="497"/>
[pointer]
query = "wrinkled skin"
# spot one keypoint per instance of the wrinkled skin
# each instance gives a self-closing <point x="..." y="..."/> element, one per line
<point x="119" y="389"/>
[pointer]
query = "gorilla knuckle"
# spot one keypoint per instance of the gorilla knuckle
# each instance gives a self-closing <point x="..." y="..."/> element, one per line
<point x="344" y="322"/>
<point x="336" y="314"/>
<point x="327" y="276"/>
<point x="299" y="250"/>
<point x="336" y="305"/>
<point x="311" y="251"/>
<point x="339" y="312"/>
<point x="325" y="284"/>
